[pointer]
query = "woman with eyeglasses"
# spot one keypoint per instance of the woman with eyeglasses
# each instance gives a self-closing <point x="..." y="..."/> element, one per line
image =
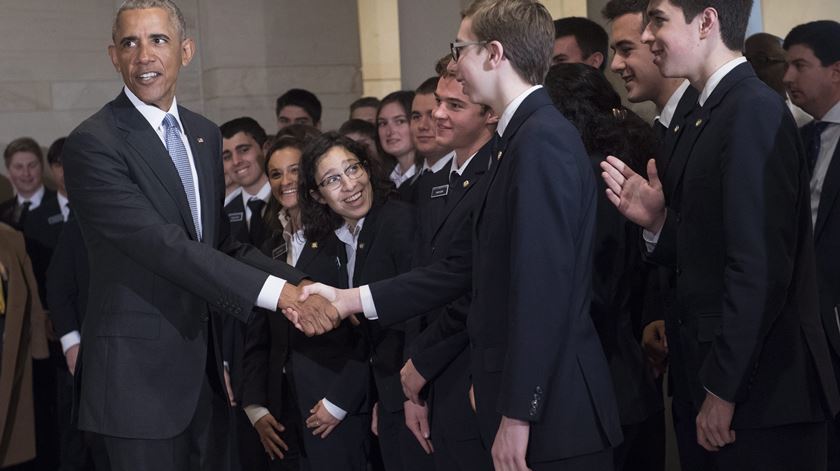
<point x="309" y="410"/>
<point x="344" y="194"/>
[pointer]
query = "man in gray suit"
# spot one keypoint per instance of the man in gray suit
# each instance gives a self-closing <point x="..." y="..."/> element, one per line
<point x="145" y="177"/>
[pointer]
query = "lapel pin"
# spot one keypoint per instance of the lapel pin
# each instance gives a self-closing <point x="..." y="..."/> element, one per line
<point x="466" y="183"/>
<point x="314" y="245"/>
<point x="698" y="122"/>
<point x="499" y="156"/>
<point x="677" y="129"/>
<point x="361" y="245"/>
<point x="200" y="140"/>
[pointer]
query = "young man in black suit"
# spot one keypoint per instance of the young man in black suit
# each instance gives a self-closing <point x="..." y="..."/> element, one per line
<point x="750" y="366"/>
<point x="543" y="392"/>
<point x="439" y="355"/>
<point x="812" y="79"/>
<point x="145" y="178"/>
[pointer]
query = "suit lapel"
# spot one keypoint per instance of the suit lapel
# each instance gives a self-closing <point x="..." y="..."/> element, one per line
<point x="366" y="240"/>
<point x="147" y="146"/>
<point x="828" y="195"/>
<point x="203" y="158"/>
<point x="532" y="102"/>
<point x="694" y="125"/>
<point x="677" y="125"/>
<point x="476" y="168"/>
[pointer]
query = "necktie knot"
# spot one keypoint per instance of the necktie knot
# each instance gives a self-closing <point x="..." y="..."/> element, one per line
<point x="256" y="205"/>
<point x="169" y="122"/>
<point x="453" y="177"/>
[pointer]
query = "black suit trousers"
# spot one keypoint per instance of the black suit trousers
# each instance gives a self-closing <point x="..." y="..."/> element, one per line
<point x="201" y="447"/>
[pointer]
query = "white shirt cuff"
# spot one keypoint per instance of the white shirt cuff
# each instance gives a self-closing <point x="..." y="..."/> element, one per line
<point x="651" y="239"/>
<point x="368" y="307"/>
<point x="255" y="413"/>
<point x="69" y="339"/>
<point x="270" y="293"/>
<point x="334" y="410"/>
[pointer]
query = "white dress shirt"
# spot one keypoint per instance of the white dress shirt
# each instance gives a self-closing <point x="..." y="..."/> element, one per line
<point x="828" y="145"/>
<point x="667" y="113"/>
<point x="34" y="200"/>
<point x="264" y="194"/>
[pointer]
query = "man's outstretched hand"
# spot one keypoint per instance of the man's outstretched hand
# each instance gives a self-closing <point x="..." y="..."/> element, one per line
<point x="311" y="313"/>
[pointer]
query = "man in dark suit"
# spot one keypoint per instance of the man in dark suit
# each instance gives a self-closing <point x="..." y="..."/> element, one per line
<point x="752" y="377"/>
<point x="543" y="392"/>
<point x="439" y="355"/>
<point x="242" y="150"/>
<point x="145" y="178"/>
<point x="812" y="79"/>
<point x="423" y="132"/>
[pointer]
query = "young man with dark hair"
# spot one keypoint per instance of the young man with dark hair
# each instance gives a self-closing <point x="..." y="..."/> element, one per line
<point x="580" y="40"/>
<point x="436" y="376"/>
<point x="813" y="82"/>
<point x="423" y="133"/>
<point x="298" y="106"/>
<point x="541" y="383"/>
<point x="750" y="367"/>
<point x="365" y="109"/>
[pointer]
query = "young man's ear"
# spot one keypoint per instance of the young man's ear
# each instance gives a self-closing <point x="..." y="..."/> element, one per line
<point x="496" y="52"/>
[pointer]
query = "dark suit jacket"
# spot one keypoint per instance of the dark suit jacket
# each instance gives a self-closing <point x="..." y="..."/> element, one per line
<point x="68" y="278"/>
<point x="319" y="365"/>
<point x="384" y="250"/>
<point x="147" y="327"/>
<point x="441" y="351"/>
<point x="535" y="352"/>
<point x="233" y="331"/>
<point x="40" y="229"/>
<point x="743" y="317"/>
<point x="827" y="246"/>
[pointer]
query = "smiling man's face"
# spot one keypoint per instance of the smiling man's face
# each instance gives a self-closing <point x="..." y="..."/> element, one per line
<point x="148" y="52"/>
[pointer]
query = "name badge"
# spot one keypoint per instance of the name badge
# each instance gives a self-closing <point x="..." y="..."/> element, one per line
<point x="439" y="191"/>
<point x="236" y="217"/>
<point x="279" y="253"/>
<point x="55" y="219"/>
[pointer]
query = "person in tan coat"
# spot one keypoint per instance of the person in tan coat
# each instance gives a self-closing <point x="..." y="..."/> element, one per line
<point x="23" y="334"/>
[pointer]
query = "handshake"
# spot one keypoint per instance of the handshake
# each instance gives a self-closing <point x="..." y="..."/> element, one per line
<point x="315" y="308"/>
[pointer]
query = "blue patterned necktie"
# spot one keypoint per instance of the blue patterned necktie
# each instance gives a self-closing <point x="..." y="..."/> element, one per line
<point x="179" y="156"/>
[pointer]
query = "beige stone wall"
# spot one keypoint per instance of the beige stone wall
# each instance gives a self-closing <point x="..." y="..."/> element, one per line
<point x="780" y="16"/>
<point x="56" y="70"/>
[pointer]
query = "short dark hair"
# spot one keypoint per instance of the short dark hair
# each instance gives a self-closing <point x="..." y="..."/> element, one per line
<point x="523" y="27"/>
<point x="358" y="126"/>
<point x="23" y="144"/>
<point x="822" y="37"/>
<point x="428" y="86"/>
<point x="733" y="16"/>
<point x="615" y="8"/>
<point x="249" y="126"/>
<point x="590" y="36"/>
<point x="302" y="98"/>
<point x="302" y="132"/>
<point x="364" y="102"/>
<point x="55" y="150"/>
<point x="317" y="218"/>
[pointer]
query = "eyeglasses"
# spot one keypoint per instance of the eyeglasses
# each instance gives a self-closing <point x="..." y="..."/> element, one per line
<point x="353" y="171"/>
<point x="456" y="47"/>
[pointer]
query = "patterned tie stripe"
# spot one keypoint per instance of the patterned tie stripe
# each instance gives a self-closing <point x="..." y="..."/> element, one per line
<point x="179" y="156"/>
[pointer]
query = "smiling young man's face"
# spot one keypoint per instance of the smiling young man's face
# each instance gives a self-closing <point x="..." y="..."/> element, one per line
<point x="148" y="52"/>
<point x="672" y="41"/>
<point x="632" y="59"/>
